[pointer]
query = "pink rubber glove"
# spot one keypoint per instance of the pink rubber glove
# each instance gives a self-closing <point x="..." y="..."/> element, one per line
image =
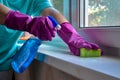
<point x="73" y="39"/>
<point x="41" y="27"/>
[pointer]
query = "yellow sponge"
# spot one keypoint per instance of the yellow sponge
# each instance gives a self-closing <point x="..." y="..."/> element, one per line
<point x="90" y="53"/>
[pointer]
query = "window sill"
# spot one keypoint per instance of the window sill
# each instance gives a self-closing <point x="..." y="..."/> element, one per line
<point x="56" y="54"/>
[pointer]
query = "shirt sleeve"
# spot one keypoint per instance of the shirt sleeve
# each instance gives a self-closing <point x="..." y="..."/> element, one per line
<point x="40" y="5"/>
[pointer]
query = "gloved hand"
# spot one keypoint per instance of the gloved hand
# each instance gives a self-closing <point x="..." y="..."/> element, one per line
<point x="73" y="39"/>
<point x="41" y="27"/>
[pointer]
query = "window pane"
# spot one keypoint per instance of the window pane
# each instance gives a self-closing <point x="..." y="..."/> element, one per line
<point x="103" y="12"/>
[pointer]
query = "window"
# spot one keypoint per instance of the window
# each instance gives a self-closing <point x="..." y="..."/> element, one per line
<point x="102" y="13"/>
<point x="95" y="13"/>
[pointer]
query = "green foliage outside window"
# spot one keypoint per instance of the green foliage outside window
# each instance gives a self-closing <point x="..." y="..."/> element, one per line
<point x="104" y="12"/>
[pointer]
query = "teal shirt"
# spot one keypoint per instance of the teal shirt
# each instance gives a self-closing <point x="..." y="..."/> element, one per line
<point x="9" y="37"/>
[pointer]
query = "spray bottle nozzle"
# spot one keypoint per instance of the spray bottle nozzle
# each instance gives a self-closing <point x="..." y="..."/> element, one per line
<point x="55" y="23"/>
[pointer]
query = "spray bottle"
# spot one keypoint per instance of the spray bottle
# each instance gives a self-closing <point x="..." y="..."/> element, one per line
<point x="28" y="51"/>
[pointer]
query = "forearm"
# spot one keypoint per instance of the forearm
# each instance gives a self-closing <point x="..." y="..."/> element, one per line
<point x="56" y="14"/>
<point x="3" y="13"/>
